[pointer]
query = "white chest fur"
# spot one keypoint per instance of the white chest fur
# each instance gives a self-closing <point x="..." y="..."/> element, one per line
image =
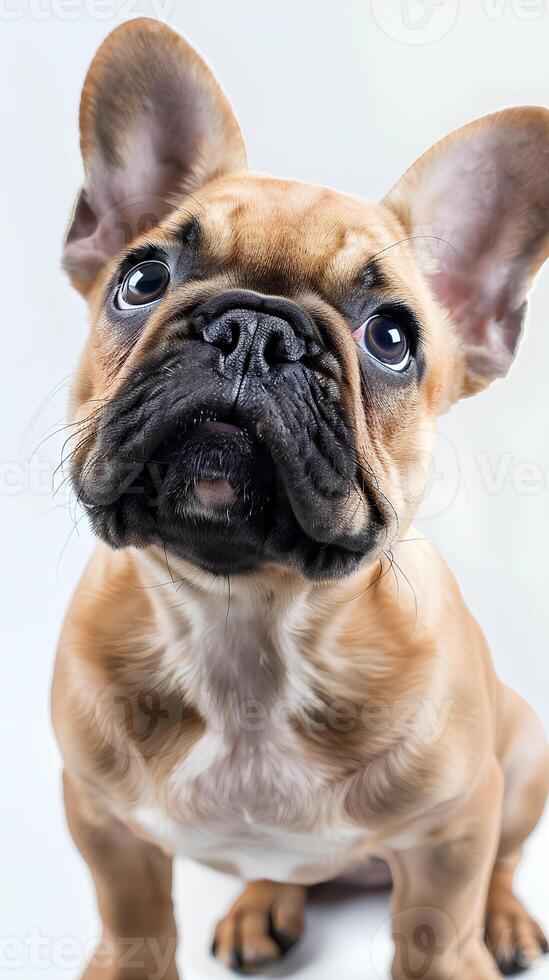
<point x="247" y="796"/>
<point x="256" y="809"/>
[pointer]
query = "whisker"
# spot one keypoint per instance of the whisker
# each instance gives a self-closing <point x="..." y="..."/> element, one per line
<point x="45" y="401"/>
<point x="410" y="586"/>
<point x="375" y="581"/>
<point x="413" y="238"/>
<point x="73" y="530"/>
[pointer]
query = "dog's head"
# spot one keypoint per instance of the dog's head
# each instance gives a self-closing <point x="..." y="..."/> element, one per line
<point x="267" y="358"/>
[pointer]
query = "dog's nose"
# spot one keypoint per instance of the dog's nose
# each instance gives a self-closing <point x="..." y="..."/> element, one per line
<point x="254" y="340"/>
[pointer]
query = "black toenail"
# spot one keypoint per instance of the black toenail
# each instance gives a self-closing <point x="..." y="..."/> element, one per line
<point x="283" y="940"/>
<point x="237" y="963"/>
<point x="510" y="967"/>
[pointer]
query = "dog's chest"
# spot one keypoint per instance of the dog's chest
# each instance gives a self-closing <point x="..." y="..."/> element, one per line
<point x="254" y="808"/>
<point x="247" y="797"/>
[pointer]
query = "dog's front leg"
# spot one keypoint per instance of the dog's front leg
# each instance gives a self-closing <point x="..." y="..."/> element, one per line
<point x="133" y="881"/>
<point x="440" y="889"/>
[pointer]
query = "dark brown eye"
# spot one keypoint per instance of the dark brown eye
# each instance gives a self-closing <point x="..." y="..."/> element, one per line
<point x="386" y="340"/>
<point x="143" y="284"/>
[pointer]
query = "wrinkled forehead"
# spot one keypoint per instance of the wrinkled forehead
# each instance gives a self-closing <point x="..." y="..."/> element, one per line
<point x="287" y="236"/>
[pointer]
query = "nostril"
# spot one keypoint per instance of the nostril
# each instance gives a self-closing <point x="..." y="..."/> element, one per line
<point x="281" y="346"/>
<point x="223" y="334"/>
<point x="274" y="351"/>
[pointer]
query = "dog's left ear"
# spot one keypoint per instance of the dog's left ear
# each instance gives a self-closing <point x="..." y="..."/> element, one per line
<point x="476" y="207"/>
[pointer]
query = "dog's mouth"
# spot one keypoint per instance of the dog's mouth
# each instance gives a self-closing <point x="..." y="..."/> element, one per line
<point x="215" y="470"/>
<point x="229" y="489"/>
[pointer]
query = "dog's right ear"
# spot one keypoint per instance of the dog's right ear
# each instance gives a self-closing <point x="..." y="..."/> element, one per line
<point x="476" y="210"/>
<point x="154" y="125"/>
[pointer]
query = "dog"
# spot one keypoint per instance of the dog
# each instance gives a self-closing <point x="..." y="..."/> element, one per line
<point x="263" y="667"/>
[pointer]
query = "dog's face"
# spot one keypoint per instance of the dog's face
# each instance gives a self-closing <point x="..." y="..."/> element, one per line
<point x="267" y="358"/>
<point x="268" y="396"/>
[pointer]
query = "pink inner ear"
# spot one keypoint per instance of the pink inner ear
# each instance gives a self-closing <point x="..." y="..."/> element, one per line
<point x="154" y="125"/>
<point x="476" y="244"/>
<point x="474" y="301"/>
<point x="127" y="201"/>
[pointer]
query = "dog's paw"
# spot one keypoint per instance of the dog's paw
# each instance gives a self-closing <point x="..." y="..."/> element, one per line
<point x="514" y="938"/>
<point x="263" y="924"/>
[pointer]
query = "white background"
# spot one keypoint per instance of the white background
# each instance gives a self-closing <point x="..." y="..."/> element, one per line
<point x="332" y="91"/>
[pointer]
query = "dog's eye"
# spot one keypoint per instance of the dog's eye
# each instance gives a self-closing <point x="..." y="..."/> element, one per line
<point x="386" y="340"/>
<point x="143" y="284"/>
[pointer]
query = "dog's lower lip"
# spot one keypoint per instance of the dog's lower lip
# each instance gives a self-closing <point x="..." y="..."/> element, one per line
<point x="226" y="427"/>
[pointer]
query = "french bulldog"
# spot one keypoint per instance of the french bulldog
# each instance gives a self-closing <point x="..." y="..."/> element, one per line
<point x="264" y="668"/>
